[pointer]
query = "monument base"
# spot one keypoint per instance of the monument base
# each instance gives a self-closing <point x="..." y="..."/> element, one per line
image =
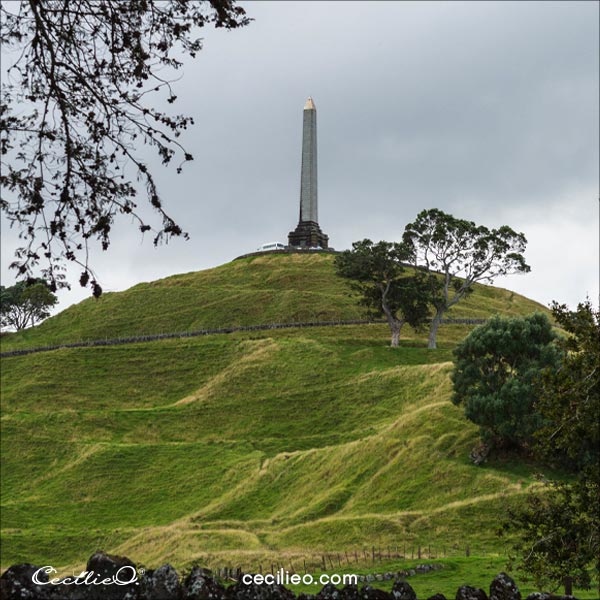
<point x="308" y="234"/>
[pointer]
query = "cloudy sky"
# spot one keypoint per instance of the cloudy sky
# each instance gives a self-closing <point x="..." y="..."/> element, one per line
<point x="485" y="110"/>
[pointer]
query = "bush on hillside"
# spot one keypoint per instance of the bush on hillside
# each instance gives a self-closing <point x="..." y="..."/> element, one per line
<point x="494" y="375"/>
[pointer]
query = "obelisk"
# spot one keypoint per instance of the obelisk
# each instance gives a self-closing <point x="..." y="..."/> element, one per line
<point x="308" y="234"/>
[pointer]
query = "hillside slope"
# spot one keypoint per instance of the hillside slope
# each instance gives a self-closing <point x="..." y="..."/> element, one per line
<point x="245" y="448"/>
<point x="278" y="288"/>
<point x="318" y="439"/>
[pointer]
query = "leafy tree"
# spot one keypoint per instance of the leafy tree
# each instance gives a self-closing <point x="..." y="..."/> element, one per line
<point x="24" y="304"/>
<point x="379" y="275"/>
<point x="569" y="397"/>
<point x="74" y="110"/>
<point x="495" y="369"/>
<point x="555" y="530"/>
<point x="463" y="253"/>
<point x="559" y="531"/>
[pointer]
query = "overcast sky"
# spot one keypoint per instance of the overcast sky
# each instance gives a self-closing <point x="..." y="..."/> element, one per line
<point x="485" y="110"/>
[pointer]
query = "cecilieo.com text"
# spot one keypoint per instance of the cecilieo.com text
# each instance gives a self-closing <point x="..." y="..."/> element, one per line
<point x="282" y="577"/>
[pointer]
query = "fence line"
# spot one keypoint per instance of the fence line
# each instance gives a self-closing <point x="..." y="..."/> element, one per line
<point x="371" y="559"/>
<point x="216" y="331"/>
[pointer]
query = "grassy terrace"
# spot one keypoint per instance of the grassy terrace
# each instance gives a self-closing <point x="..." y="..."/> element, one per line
<point x="248" y="448"/>
<point x="280" y="288"/>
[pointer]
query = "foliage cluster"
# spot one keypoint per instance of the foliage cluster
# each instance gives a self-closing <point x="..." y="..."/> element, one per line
<point x="495" y="370"/>
<point x="378" y="274"/>
<point x="75" y="110"/>
<point x="560" y="531"/>
<point x="529" y="389"/>
<point x="448" y="257"/>
<point x="463" y="253"/>
<point x="25" y="303"/>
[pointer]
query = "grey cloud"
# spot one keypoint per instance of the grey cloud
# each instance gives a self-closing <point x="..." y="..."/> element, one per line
<point x="487" y="110"/>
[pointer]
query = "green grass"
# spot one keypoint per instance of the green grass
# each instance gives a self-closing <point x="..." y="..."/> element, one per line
<point x="246" y="448"/>
<point x="249" y="291"/>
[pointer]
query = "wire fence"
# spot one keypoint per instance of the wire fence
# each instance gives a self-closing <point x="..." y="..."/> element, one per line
<point x="377" y="560"/>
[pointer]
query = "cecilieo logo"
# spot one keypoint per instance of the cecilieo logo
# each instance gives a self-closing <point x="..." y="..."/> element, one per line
<point x="124" y="576"/>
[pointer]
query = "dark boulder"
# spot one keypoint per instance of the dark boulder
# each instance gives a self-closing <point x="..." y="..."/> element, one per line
<point x="329" y="592"/>
<point x="369" y="593"/>
<point x="254" y="591"/>
<point x="119" y="569"/>
<point x="466" y="592"/>
<point x="160" y="584"/>
<point x="16" y="583"/>
<point x="199" y="585"/>
<point x="403" y="591"/>
<point x="349" y="592"/>
<point x="504" y="587"/>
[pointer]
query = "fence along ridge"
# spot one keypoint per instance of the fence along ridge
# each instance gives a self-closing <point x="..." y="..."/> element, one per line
<point x="216" y="331"/>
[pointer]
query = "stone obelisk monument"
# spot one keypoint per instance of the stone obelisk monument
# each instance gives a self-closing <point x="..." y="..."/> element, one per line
<point x="308" y="234"/>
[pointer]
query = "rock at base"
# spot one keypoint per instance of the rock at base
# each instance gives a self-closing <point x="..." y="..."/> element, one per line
<point x="504" y="587"/>
<point x="466" y="592"/>
<point x="401" y="590"/>
<point x="160" y="583"/>
<point x="16" y="583"/>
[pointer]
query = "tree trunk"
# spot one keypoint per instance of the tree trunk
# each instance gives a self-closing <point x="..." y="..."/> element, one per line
<point x="435" y="323"/>
<point x="395" y="334"/>
<point x="568" y="582"/>
<point x="395" y="328"/>
<point x="394" y="323"/>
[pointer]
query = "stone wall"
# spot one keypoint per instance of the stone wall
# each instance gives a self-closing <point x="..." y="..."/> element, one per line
<point x="219" y="330"/>
<point x="164" y="583"/>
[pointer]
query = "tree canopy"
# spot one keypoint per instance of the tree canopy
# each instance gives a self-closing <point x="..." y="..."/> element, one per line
<point x="76" y="107"/>
<point x="463" y="253"/>
<point x="495" y="370"/>
<point x="556" y="537"/>
<point x="558" y="532"/>
<point x="379" y="275"/>
<point x="25" y="303"/>
<point x="569" y="397"/>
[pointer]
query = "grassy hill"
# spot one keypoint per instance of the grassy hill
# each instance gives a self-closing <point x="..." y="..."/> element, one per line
<point x="247" y="448"/>
<point x="249" y="291"/>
